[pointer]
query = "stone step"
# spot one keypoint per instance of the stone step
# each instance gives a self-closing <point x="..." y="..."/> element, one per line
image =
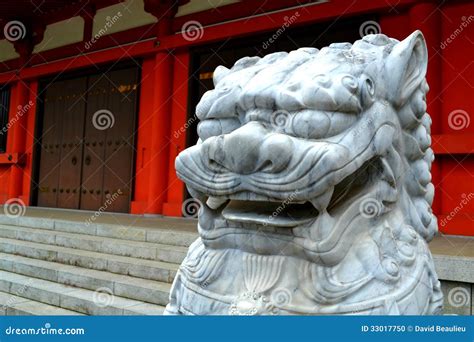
<point x="99" y="302"/>
<point x="150" y="291"/>
<point x="12" y="305"/>
<point x="136" y="249"/>
<point x="141" y="268"/>
<point x="168" y="231"/>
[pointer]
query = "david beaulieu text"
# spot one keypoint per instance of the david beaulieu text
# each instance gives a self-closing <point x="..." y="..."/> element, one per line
<point x="439" y="328"/>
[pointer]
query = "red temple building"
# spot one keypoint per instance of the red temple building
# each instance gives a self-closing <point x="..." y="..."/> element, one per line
<point x="148" y="62"/>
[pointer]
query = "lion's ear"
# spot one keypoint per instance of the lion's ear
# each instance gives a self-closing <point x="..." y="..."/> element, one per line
<point x="405" y="67"/>
<point x="220" y="72"/>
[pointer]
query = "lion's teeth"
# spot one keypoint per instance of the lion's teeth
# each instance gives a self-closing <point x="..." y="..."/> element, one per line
<point x="322" y="201"/>
<point x="215" y="202"/>
<point x="196" y="194"/>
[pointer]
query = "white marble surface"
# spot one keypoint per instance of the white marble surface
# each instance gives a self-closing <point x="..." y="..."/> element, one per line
<point x="313" y="170"/>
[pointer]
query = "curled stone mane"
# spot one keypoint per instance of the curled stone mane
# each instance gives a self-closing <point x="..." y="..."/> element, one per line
<point x="419" y="157"/>
<point x="313" y="171"/>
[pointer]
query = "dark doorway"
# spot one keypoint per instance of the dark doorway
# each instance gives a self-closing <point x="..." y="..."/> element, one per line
<point x="86" y="135"/>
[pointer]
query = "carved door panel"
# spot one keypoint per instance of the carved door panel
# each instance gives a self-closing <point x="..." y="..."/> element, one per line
<point x="61" y="149"/>
<point x="109" y="138"/>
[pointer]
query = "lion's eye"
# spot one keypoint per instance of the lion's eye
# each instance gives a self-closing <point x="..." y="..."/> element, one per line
<point x="370" y="86"/>
<point x="368" y="92"/>
<point x="308" y="124"/>
<point x="350" y="83"/>
<point x="214" y="127"/>
<point x="313" y="124"/>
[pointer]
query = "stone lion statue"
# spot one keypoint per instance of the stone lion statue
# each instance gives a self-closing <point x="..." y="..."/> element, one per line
<point x="313" y="170"/>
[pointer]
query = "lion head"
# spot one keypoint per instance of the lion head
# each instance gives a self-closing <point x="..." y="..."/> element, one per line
<point x="321" y="157"/>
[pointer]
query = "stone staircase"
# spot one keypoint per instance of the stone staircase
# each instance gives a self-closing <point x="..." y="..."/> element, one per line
<point x="53" y="263"/>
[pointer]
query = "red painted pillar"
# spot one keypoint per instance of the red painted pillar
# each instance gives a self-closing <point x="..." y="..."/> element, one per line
<point x="17" y="135"/>
<point x="30" y="123"/>
<point x="163" y="85"/>
<point x="178" y="127"/>
<point x="425" y="16"/>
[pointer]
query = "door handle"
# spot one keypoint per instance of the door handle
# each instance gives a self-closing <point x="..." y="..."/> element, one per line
<point x="87" y="161"/>
<point x="74" y="160"/>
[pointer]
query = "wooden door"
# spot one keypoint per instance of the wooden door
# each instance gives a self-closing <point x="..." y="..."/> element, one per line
<point x="87" y="142"/>
<point x="109" y="141"/>
<point x="61" y="144"/>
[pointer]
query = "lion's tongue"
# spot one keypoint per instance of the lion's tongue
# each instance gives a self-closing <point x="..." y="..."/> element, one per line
<point x="269" y="213"/>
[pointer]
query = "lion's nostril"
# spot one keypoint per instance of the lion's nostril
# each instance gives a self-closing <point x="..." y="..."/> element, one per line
<point x="275" y="153"/>
<point x="214" y="163"/>
<point x="249" y="149"/>
<point x="267" y="165"/>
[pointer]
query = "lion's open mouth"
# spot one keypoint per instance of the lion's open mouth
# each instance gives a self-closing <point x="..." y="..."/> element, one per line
<point x="279" y="214"/>
<point x="247" y="208"/>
